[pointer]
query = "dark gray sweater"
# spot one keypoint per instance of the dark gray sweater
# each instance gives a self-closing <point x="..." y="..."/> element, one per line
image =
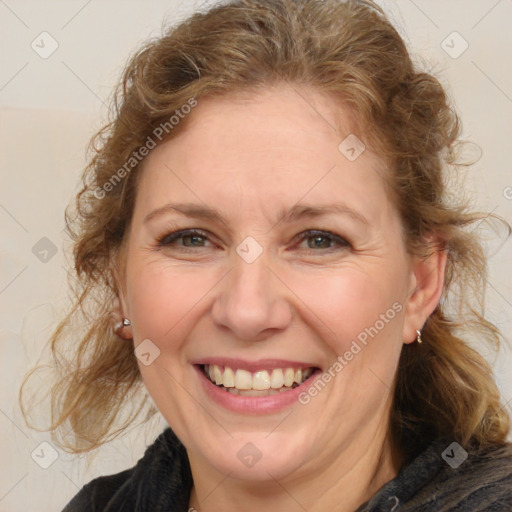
<point x="435" y="481"/>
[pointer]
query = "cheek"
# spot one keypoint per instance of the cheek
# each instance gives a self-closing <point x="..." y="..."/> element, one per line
<point x="354" y="304"/>
<point x="163" y="296"/>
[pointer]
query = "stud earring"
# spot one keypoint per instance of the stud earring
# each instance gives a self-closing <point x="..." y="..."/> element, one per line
<point x="120" y="325"/>
<point x="418" y="338"/>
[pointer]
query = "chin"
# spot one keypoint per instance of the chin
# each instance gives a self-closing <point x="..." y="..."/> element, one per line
<point x="258" y="456"/>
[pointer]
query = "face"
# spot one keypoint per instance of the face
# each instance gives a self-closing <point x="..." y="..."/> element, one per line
<point x="257" y="247"/>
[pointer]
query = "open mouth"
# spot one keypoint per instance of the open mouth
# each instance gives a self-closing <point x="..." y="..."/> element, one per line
<point x="259" y="383"/>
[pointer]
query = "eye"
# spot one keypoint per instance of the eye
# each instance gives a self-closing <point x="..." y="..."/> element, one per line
<point x="191" y="238"/>
<point x="323" y="240"/>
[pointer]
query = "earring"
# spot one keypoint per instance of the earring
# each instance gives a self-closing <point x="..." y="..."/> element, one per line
<point x="123" y="323"/>
<point x="418" y="338"/>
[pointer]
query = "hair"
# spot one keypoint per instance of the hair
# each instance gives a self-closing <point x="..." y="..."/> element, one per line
<point x="350" y="51"/>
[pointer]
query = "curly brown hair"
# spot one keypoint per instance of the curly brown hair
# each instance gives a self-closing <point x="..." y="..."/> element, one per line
<point x="350" y="51"/>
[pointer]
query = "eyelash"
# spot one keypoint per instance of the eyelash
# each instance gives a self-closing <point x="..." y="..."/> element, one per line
<point x="170" y="238"/>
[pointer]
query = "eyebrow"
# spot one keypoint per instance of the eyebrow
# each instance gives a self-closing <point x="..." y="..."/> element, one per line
<point x="297" y="212"/>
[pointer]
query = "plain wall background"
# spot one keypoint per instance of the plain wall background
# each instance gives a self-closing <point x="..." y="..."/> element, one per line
<point x="50" y="108"/>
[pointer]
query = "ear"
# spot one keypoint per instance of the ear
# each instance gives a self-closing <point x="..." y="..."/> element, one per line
<point x="119" y="305"/>
<point x="427" y="282"/>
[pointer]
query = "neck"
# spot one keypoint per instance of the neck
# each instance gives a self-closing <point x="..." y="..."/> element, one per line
<point x="347" y="481"/>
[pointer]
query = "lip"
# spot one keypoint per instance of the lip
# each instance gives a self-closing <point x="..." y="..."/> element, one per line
<point x="254" y="366"/>
<point x="253" y="404"/>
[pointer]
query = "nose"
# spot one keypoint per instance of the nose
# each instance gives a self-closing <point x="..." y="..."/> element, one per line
<point x="252" y="302"/>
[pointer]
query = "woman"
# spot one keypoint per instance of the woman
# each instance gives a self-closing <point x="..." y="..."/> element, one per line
<point x="267" y="223"/>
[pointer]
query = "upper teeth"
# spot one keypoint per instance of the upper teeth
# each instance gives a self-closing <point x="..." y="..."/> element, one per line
<point x="260" y="380"/>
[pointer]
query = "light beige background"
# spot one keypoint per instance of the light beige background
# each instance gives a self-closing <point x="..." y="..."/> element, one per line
<point x="49" y="109"/>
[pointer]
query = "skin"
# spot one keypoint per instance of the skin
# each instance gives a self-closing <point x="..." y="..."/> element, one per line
<point x="250" y="158"/>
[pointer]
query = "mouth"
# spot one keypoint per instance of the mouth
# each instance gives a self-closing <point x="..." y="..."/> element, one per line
<point x="264" y="382"/>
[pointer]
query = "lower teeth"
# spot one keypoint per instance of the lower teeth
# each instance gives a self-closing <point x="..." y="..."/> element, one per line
<point x="255" y="392"/>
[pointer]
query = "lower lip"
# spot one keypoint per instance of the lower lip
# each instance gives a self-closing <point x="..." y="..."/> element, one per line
<point x="253" y="404"/>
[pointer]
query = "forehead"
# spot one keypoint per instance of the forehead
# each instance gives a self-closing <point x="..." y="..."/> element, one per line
<point x="264" y="150"/>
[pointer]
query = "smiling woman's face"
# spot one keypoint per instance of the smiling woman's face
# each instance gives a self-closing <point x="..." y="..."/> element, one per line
<point x="253" y="289"/>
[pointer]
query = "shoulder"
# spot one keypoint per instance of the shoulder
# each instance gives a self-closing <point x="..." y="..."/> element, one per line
<point x="94" y="496"/>
<point x="487" y="480"/>
<point x="471" y="479"/>
<point x="141" y="487"/>
<point x="444" y="476"/>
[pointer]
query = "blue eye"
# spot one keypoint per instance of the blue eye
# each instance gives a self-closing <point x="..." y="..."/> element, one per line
<point x="321" y="241"/>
